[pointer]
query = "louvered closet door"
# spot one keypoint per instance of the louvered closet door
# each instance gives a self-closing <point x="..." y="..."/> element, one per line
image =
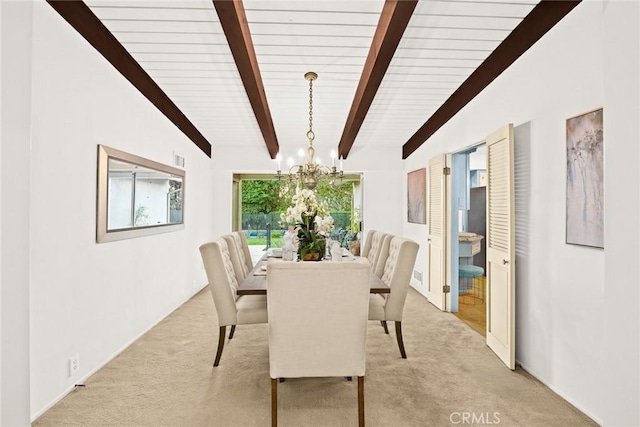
<point x="501" y="246"/>
<point x="436" y="236"/>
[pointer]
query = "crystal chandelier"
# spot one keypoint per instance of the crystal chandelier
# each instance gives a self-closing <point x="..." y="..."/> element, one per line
<point x="310" y="173"/>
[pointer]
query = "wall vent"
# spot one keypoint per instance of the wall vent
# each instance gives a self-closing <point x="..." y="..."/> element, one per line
<point x="417" y="275"/>
<point x="178" y="160"/>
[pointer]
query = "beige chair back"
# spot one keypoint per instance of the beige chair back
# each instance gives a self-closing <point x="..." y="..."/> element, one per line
<point x="377" y="240"/>
<point x="397" y="273"/>
<point x="222" y="280"/>
<point x="236" y="253"/>
<point x="367" y="244"/>
<point x="317" y="318"/>
<point x="383" y="254"/>
<point x="241" y="240"/>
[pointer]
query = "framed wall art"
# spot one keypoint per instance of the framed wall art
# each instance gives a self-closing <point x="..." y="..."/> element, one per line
<point x="417" y="195"/>
<point x="585" y="180"/>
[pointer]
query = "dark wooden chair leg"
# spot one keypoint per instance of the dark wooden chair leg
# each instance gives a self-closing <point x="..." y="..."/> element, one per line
<point x="233" y="329"/>
<point x="274" y="402"/>
<point x="221" y="338"/>
<point x="384" y="325"/>
<point x="360" y="401"/>
<point x="399" y="337"/>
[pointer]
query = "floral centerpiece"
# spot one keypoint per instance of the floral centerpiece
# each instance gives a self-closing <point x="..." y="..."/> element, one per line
<point x="311" y="223"/>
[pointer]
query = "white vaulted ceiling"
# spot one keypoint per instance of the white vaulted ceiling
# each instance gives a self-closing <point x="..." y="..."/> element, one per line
<point x="182" y="46"/>
<point x="443" y="44"/>
<point x="331" y="38"/>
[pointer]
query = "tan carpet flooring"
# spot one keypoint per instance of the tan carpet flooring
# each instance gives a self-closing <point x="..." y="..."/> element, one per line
<point x="166" y="378"/>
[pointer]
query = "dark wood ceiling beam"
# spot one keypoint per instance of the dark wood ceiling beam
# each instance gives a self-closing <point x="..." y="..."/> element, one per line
<point x="535" y="25"/>
<point x="78" y="14"/>
<point x="393" y="21"/>
<point x="234" y="24"/>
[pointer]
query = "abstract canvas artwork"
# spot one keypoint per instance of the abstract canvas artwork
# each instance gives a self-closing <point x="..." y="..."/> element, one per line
<point x="585" y="186"/>
<point x="416" y="197"/>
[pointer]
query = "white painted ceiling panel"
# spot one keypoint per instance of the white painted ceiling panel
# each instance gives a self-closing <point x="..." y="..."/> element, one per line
<point x="329" y="38"/>
<point x="182" y="47"/>
<point x="443" y="44"/>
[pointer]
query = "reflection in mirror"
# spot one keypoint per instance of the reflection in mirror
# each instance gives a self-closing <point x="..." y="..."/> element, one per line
<point x="136" y="196"/>
<point x="140" y="196"/>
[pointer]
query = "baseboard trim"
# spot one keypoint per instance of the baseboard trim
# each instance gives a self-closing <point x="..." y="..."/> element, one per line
<point x="579" y="407"/>
<point x="62" y="395"/>
<point x="417" y="286"/>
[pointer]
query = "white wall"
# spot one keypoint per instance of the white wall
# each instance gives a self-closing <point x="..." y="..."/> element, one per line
<point x="16" y="26"/>
<point x="561" y="304"/>
<point x="87" y="298"/>
<point x="382" y="187"/>
<point x="621" y="340"/>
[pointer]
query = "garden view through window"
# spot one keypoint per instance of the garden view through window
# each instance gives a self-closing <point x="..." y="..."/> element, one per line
<point x="263" y="200"/>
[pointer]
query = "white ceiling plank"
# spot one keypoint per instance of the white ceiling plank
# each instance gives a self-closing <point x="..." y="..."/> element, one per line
<point x="135" y="25"/>
<point x="358" y="6"/>
<point x="438" y="32"/>
<point x="474" y="8"/>
<point x="355" y="30"/>
<point x="168" y="38"/>
<point x="180" y="4"/>
<point x="146" y="13"/>
<point x="283" y="17"/>
<point x="310" y="40"/>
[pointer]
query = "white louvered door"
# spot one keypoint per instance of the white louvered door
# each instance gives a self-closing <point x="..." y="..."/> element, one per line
<point x="501" y="246"/>
<point x="436" y="237"/>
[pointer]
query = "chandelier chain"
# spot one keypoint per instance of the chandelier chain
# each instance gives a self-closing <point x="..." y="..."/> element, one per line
<point x="310" y="105"/>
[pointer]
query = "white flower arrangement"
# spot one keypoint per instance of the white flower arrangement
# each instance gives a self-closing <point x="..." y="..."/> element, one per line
<point x="311" y="219"/>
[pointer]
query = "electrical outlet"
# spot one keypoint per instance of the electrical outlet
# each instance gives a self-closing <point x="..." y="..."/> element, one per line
<point x="74" y="364"/>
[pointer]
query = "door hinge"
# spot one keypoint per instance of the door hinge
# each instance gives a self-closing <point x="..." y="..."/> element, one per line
<point x="446" y="170"/>
<point x="446" y="289"/>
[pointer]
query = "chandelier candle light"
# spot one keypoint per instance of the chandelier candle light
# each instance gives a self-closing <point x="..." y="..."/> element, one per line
<point x="311" y="172"/>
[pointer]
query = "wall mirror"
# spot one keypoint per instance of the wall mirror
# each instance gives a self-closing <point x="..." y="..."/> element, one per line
<point x="136" y="196"/>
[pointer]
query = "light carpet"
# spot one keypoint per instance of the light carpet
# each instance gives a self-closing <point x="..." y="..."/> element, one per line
<point x="451" y="377"/>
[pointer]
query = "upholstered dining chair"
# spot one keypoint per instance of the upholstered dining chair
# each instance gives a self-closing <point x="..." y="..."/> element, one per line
<point x="380" y="259"/>
<point x="397" y="274"/>
<point x="376" y="248"/>
<point x="231" y="309"/>
<point x="236" y="253"/>
<point x="317" y="322"/>
<point x="367" y="243"/>
<point x="241" y="240"/>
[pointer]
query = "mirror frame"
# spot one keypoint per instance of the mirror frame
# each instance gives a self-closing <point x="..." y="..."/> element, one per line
<point x="102" y="233"/>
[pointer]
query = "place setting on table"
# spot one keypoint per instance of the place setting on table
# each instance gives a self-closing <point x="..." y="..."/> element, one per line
<point x="255" y="282"/>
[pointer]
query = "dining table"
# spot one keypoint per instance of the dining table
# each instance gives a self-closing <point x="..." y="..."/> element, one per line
<point x="256" y="281"/>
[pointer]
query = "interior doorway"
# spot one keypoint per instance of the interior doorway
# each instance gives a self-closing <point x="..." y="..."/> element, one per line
<point x="468" y="232"/>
